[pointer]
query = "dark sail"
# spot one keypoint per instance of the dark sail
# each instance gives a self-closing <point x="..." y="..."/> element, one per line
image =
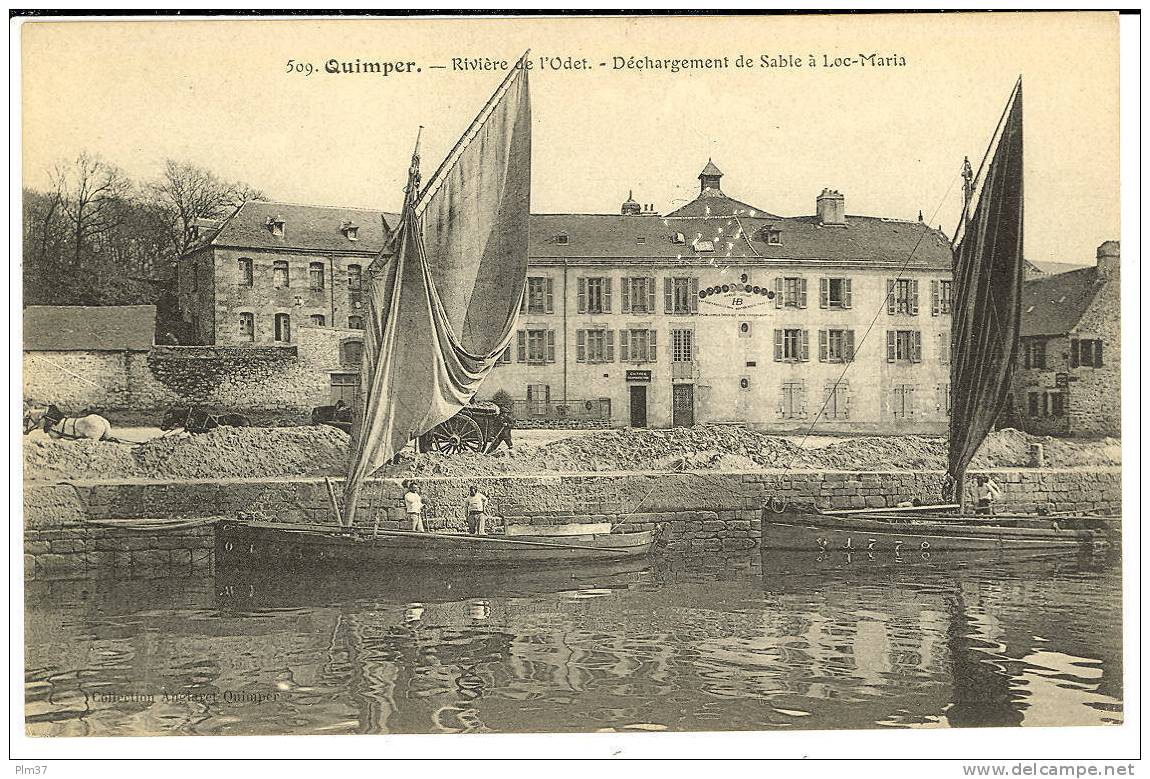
<point x="988" y="272"/>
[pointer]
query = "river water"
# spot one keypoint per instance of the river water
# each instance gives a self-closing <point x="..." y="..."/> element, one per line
<point x="679" y="645"/>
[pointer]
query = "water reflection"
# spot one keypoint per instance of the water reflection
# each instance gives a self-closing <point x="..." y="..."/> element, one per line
<point x="672" y="646"/>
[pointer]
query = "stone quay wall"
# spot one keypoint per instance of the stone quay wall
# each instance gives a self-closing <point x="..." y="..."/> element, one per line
<point x="697" y="512"/>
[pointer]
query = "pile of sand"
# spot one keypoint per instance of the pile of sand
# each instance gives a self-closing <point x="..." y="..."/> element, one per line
<point x="320" y="450"/>
<point x="225" y="452"/>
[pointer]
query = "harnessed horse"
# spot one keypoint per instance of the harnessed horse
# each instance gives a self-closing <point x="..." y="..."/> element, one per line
<point x="196" y="420"/>
<point x="53" y="422"/>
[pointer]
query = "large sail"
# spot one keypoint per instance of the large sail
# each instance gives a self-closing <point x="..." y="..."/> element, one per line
<point x="442" y="305"/>
<point x="988" y="273"/>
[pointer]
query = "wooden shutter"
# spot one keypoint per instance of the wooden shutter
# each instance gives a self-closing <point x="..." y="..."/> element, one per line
<point x="651" y="345"/>
<point x="803" y="293"/>
<point x="1027" y="351"/>
<point x="778" y="346"/>
<point x="582" y="295"/>
<point x="824" y="292"/>
<point x="823" y="344"/>
<point x="914" y="297"/>
<point x="891" y="351"/>
<point x="580" y="345"/>
<point x="550" y="346"/>
<point x="607" y="295"/>
<point x="1073" y="352"/>
<point x="805" y="345"/>
<point x="668" y="296"/>
<point x="523" y="300"/>
<point x="848" y="345"/>
<point x="549" y="304"/>
<point x="625" y="294"/>
<point x="693" y="296"/>
<point x="624" y="344"/>
<point x="846" y="293"/>
<point x="1098" y="353"/>
<point x="609" y="347"/>
<point x="522" y="350"/>
<point x="651" y="294"/>
<point x="916" y="349"/>
<point x="935" y="307"/>
<point x="778" y="292"/>
<point x="944" y="348"/>
<point x="890" y="296"/>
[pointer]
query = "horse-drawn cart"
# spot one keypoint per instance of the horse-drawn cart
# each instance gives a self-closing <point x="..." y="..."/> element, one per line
<point x="474" y="429"/>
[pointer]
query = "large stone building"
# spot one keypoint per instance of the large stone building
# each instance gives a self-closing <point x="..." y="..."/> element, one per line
<point x="719" y="311"/>
<point x="1068" y="380"/>
<point x="271" y="267"/>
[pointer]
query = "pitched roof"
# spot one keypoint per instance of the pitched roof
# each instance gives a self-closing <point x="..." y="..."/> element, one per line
<point x="1053" y="305"/>
<point x="317" y="228"/>
<point x="647" y="238"/>
<point x="863" y="241"/>
<point x="1052" y="268"/>
<point x="711" y="169"/>
<point x="89" y="328"/>
<point x="713" y="202"/>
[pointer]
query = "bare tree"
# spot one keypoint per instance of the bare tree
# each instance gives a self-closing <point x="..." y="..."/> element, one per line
<point x="92" y="194"/>
<point x="185" y="193"/>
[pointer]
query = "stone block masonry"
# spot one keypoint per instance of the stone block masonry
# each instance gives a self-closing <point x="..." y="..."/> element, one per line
<point x="698" y="512"/>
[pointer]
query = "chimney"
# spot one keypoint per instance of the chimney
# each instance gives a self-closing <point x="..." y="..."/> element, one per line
<point x="830" y="207"/>
<point x="1108" y="260"/>
<point x="631" y="206"/>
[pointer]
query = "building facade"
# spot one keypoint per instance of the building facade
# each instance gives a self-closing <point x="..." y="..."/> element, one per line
<point x="716" y="312"/>
<point x="1068" y="379"/>
<point x="270" y="268"/>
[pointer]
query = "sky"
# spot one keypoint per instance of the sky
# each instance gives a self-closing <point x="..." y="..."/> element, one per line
<point x="219" y="93"/>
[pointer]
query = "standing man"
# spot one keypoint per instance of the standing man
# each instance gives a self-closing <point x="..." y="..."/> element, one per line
<point x="987" y="492"/>
<point x="475" y="505"/>
<point x="413" y="503"/>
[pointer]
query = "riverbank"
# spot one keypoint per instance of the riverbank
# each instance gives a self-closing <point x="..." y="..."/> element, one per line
<point x="68" y="533"/>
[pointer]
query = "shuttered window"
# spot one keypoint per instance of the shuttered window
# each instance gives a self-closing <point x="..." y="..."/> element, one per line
<point x="594" y="295"/>
<point x="903" y="346"/>
<point x="834" y="293"/>
<point x="540" y="297"/>
<point x="791" y="345"/>
<point x="902" y="296"/>
<point x="902" y="401"/>
<point x="836" y="345"/>
<point x="536" y="346"/>
<point x="596" y="345"/>
<point x="638" y="295"/>
<point x="790" y="292"/>
<point x="680" y="295"/>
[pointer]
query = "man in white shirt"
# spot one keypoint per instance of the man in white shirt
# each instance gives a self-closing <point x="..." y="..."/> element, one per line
<point x="413" y="503"/>
<point x="475" y="505"/>
<point x="987" y="492"/>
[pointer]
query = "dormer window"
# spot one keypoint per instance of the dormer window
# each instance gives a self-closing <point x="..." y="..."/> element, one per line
<point x="701" y="245"/>
<point x="641" y="239"/>
<point x="678" y="238"/>
<point x="562" y="238"/>
<point x="772" y="236"/>
<point x="350" y="230"/>
<point x="275" y="225"/>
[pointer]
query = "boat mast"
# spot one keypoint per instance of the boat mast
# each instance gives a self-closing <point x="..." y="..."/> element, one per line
<point x="967" y="196"/>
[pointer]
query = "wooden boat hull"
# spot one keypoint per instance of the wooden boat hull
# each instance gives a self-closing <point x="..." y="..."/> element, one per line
<point x="257" y="544"/>
<point x="801" y="540"/>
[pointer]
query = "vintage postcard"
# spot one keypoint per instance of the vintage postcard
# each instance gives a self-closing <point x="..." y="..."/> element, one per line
<point x="585" y="375"/>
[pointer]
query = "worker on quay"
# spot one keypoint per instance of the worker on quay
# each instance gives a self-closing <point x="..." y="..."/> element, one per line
<point x="413" y="504"/>
<point x="476" y="506"/>
<point x="986" y="492"/>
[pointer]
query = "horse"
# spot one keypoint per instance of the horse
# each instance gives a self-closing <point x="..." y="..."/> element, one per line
<point x="52" y="421"/>
<point x="196" y="420"/>
<point x="338" y="415"/>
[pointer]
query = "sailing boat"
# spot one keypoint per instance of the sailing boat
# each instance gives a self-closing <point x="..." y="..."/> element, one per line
<point x="443" y="299"/>
<point x="988" y="275"/>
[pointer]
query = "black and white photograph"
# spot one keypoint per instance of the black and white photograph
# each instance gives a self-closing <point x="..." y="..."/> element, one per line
<point x="613" y="377"/>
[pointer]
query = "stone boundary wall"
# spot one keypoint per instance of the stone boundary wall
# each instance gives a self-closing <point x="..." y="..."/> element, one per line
<point x="697" y="511"/>
<point x="257" y="380"/>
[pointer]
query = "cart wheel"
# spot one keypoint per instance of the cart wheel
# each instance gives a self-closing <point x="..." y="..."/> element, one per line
<point x="458" y="434"/>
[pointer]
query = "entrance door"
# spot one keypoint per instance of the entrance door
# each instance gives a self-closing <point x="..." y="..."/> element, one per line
<point x="683" y="405"/>
<point x="638" y="405"/>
